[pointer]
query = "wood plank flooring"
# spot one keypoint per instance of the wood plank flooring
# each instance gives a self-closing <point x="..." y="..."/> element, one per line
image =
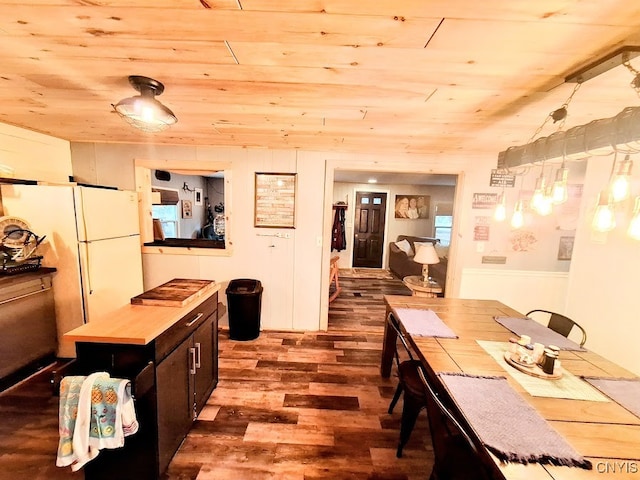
<point x="289" y="405"/>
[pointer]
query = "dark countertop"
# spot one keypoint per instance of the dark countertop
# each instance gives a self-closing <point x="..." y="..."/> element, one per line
<point x="12" y="279"/>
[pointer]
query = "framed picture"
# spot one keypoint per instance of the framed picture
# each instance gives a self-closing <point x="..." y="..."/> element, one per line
<point x="412" y="206"/>
<point x="187" y="209"/>
<point x="275" y="200"/>
<point x="198" y="197"/>
<point x="565" y="248"/>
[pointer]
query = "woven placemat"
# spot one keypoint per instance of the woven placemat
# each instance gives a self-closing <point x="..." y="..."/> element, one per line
<point x="506" y="424"/>
<point x="538" y="332"/>
<point x="567" y="386"/>
<point x="624" y="391"/>
<point x="423" y="323"/>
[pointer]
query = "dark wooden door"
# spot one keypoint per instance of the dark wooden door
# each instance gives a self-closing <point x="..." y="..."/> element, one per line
<point x="368" y="229"/>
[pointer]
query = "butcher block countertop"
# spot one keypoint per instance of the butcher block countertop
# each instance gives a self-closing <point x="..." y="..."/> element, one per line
<point x="138" y="324"/>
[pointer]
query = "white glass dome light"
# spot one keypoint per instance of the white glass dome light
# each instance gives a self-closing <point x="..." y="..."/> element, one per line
<point x="143" y="111"/>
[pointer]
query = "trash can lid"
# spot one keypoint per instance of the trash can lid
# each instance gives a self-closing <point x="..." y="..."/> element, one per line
<point x="244" y="286"/>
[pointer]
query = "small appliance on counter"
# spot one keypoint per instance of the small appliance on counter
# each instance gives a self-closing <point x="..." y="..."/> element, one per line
<point x="18" y="246"/>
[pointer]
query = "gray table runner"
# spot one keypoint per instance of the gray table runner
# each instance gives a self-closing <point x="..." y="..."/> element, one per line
<point x="624" y="391"/>
<point x="423" y="323"/>
<point x="538" y="333"/>
<point x="507" y="425"/>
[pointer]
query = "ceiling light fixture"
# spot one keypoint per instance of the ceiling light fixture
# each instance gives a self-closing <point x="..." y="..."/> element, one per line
<point x="143" y="111"/>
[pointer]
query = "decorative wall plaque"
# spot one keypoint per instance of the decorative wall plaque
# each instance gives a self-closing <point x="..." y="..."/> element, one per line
<point x="275" y="200"/>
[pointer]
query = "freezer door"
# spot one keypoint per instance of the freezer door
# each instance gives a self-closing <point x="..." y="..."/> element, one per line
<point x="103" y="213"/>
<point x="111" y="274"/>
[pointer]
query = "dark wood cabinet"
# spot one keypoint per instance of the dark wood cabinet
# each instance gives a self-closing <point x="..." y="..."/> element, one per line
<point x="184" y="381"/>
<point x="183" y="361"/>
<point x="206" y="361"/>
<point x="174" y="402"/>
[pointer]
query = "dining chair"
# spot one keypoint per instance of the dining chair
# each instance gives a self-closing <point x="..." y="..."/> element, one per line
<point x="560" y="323"/>
<point x="414" y="399"/>
<point x="456" y="453"/>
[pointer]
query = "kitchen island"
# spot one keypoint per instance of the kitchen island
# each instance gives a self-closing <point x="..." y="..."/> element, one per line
<point x="170" y="354"/>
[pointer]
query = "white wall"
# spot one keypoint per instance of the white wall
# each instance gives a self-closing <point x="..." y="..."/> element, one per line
<point x="603" y="294"/>
<point x="523" y="290"/>
<point x="34" y="156"/>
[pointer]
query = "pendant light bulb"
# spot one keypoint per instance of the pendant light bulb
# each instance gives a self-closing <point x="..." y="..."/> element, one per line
<point x="546" y="204"/>
<point x="500" y="213"/>
<point x="634" y="225"/>
<point x="560" y="193"/>
<point x="620" y="185"/>
<point x="604" y="217"/>
<point x="517" y="220"/>
<point x="538" y="194"/>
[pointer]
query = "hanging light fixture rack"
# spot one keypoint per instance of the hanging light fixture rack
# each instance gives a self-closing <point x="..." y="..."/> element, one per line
<point x="599" y="137"/>
<point x="614" y="59"/>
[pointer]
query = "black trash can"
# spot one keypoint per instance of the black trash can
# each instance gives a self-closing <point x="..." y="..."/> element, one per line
<point x="244" y="299"/>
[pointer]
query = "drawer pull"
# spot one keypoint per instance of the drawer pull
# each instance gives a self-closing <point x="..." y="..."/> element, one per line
<point x="192" y="367"/>
<point x="198" y="317"/>
<point x="198" y="355"/>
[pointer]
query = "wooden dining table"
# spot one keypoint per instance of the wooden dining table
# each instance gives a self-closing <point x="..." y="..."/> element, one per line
<point x="604" y="432"/>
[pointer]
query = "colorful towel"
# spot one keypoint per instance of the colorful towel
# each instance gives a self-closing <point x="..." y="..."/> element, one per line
<point x="96" y="412"/>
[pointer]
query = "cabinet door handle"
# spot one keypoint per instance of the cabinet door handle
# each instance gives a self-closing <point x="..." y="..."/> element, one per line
<point x="198" y="317"/>
<point x="198" y="355"/>
<point x="192" y="366"/>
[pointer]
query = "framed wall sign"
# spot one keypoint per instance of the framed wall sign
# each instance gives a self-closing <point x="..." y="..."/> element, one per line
<point x="275" y="201"/>
<point x="187" y="209"/>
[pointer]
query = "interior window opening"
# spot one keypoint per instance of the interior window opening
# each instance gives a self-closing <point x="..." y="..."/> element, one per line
<point x="188" y="210"/>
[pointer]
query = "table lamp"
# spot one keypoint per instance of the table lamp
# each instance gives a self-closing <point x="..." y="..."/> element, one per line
<point x="426" y="255"/>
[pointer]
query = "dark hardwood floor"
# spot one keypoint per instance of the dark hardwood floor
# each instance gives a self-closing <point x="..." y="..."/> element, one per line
<point x="289" y="405"/>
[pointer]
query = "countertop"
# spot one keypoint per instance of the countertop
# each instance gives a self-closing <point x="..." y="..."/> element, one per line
<point x="134" y="324"/>
<point x="6" y="280"/>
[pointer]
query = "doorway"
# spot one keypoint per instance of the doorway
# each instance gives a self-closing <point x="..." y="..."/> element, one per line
<point x="368" y="229"/>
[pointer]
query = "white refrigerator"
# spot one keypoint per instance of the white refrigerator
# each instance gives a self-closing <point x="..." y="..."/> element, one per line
<point x="93" y="240"/>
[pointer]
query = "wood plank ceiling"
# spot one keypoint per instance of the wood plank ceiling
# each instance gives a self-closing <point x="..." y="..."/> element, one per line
<point x="386" y="76"/>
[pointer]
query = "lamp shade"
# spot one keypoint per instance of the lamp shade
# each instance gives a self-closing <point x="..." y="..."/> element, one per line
<point x="143" y="111"/>
<point x="426" y="254"/>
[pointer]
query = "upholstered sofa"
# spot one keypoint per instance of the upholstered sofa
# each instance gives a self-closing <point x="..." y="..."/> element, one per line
<point x="401" y="264"/>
